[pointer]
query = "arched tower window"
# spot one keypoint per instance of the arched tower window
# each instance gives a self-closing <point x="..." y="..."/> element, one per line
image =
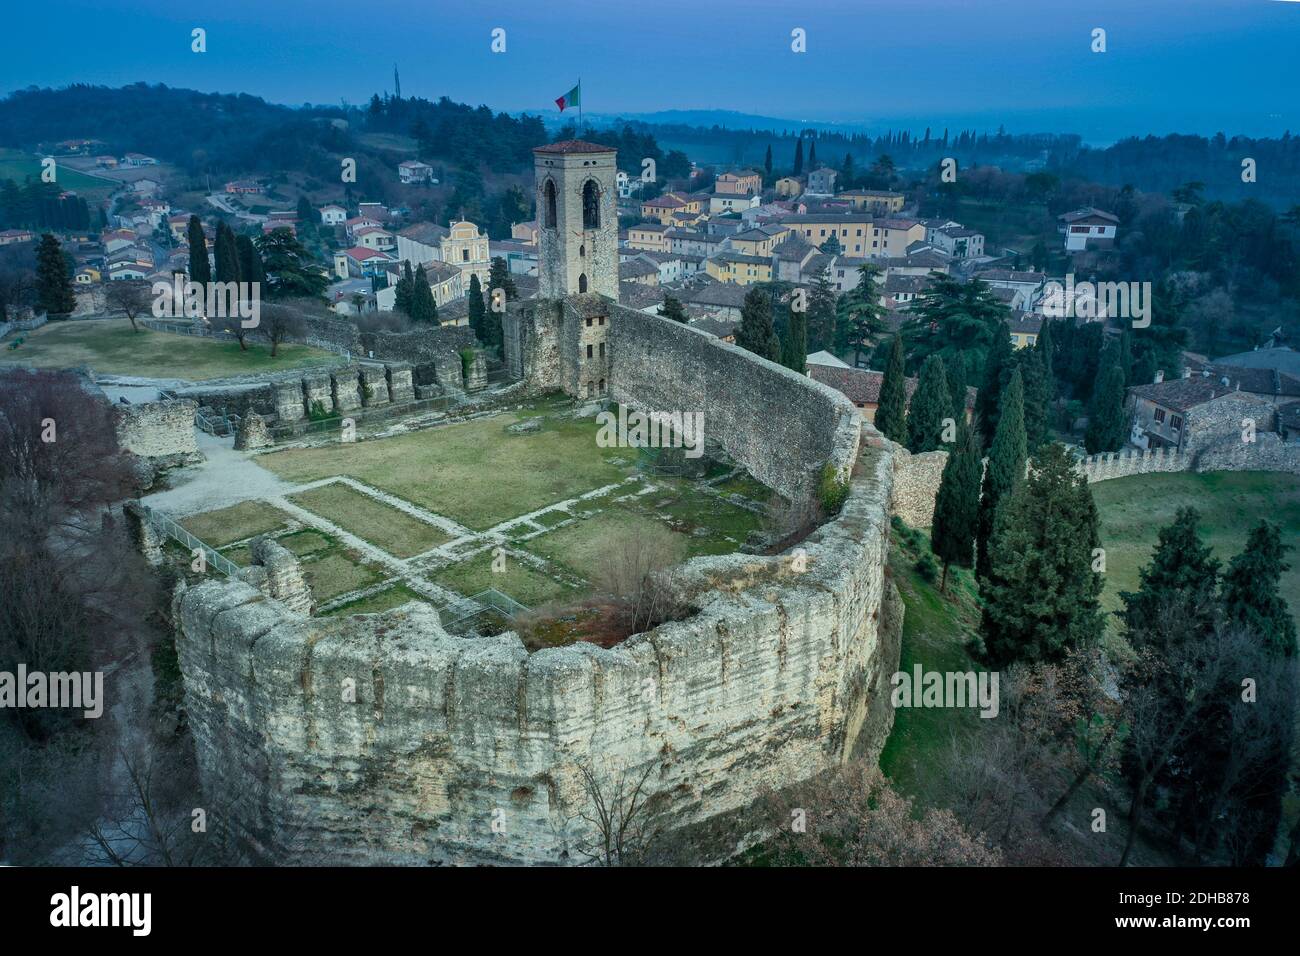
<point x="590" y="205"/>
<point x="582" y="282"/>
<point x="548" y="220"/>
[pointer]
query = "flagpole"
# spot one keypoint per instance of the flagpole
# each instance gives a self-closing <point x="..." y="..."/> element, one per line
<point x="579" y="107"/>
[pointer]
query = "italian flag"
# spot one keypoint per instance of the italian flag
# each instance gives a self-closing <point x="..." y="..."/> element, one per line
<point x="571" y="98"/>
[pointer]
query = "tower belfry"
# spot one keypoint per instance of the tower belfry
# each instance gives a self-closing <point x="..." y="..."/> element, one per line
<point x="577" y="219"/>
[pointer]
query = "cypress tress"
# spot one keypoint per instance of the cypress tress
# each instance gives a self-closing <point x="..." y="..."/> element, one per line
<point x="1250" y="590"/>
<point x="755" y="331"/>
<point x="891" y="411"/>
<point x="931" y="404"/>
<point x="477" y="310"/>
<point x="200" y="268"/>
<point x="1006" y="466"/>
<point x="1107" y="429"/>
<point x="227" y="255"/>
<point x="955" y="369"/>
<point x="250" y="262"/>
<point x="794" y="346"/>
<point x="997" y="368"/>
<point x="956" y="507"/>
<point x="54" y="292"/>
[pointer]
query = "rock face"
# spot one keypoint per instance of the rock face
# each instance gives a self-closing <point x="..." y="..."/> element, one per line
<point x="162" y="433"/>
<point x="289" y="401"/>
<point x="346" y="390"/>
<point x="252" y="433"/>
<point x="383" y="739"/>
<point x="277" y="573"/>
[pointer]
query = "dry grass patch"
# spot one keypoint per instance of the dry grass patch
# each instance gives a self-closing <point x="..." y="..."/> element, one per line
<point x="226" y="525"/>
<point x="382" y="525"/>
<point x="336" y="574"/>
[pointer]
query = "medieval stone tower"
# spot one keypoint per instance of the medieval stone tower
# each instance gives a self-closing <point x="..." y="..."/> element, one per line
<point x="577" y="219"/>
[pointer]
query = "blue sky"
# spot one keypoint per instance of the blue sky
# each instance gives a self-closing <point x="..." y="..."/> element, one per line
<point x="1170" y="65"/>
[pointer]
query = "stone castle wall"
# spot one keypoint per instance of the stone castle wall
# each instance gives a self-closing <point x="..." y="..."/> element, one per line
<point x="780" y="425"/>
<point x="383" y="739"/>
<point x="162" y="432"/>
<point x="917" y="477"/>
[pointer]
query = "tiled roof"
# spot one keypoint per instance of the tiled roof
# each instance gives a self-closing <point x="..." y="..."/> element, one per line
<point x="573" y="146"/>
<point x="1181" y="394"/>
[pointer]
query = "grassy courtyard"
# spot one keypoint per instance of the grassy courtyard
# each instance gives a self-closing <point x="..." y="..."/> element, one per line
<point x="476" y="473"/>
<point x="397" y="532"/>
<point x="226" y="525"/>
<point x="110" y="347"/>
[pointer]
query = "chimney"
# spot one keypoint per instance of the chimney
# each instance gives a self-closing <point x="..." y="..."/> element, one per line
<point x="1160" y="376"/>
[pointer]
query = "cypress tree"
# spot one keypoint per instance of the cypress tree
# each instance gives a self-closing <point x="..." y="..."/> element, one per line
<point x="1107" y="429"/>
<point x="406" y="289"/>
<point x="955" y="368"/>
<point x="755" y="331"/>
<point x="812" y="155"/>
<point x="54" y="293"/>
<point x="794" y="344"/>
<point x="931" y="404"/>
<point x="423" y="308"/>
<point x="798" y="156"/>
<point x="477" y="310"/>
<point x="956" y="507"/>
<point x="997" y="371"/>
<point x="200" y="268"/>
<point x="1006" y="466"/>
<point x="1041" y="593"/>
<point x="891" y="411"/>
<point x="672" y="308"/>
<point x="1045" y="347"/>
<point x="1183" y="572"/>
<point x="767" y="162"/>
<point x="250" y="262"/>
<point x="1037" y="401"/>
<point x="1250" y="594"/>
<point x="499" y="278"/>
<point x="227" y="254"/>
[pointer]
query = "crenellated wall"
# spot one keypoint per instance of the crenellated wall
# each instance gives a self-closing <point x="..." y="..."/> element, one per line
<point x="383" y="739"/>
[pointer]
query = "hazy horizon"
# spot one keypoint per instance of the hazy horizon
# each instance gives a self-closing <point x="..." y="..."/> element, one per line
<point x="1189" y="67"/>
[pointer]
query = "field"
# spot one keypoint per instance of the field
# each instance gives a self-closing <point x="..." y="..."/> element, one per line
<point x="110" y="347"/>
<point x="424" y="515"/>
<point x="476" y="473"/>
<point x="1230" y="503"/>
<point x="18" y="166"/>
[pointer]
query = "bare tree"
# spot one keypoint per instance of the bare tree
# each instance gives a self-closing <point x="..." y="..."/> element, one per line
<point x="853" y="817"/>
<point x="634" y="579"/>
<point x="616" y="811"/>
<point x="279" y="323"/>
<point x="130" y="296"/>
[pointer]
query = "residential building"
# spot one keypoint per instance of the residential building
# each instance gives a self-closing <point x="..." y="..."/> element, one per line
<point x="650" y="236"/>
<point x="743" y="182"/>
<point x="740" y="269"/>
<point x="732" y="202"/>
<point x="412" y="172"/>
<point x="891" y="237"/>
<point x="372" y="237"/>
<point x="958" y="242"/>
<point x="1190" y="412"/>
<point x="853" y="231"/>
<point x="1024" y="328"/>
<point x="525" y="232"/>
<point x="821" y="182"/>
<point x="1087" y="228"/>
<point x="787" y="187"/>
<point x="333" y="215"/>
<point x="876" y="201"/>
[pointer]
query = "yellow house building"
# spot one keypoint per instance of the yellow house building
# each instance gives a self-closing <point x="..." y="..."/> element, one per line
<point x="877" y="201"/>
<point x="891" y="237"/>
<point x="663" y="207"/>
<point x="853" y="232"/>
<point x="740" y="269"/>
<point x="649" y="237"/>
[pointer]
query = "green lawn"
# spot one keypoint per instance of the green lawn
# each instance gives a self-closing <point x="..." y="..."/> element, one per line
<point x="1134" y="509"/>
<point x="935" y="630"/>
<point x="476" y="473"/>
<point x="587" y="547"/>
<point x="110" y="347"/>
<point x="521" y="582"/>
<point x="382" y="525"/>
<point x="337" y="573"/>
<point x="18" y="165"/>
<point x="384" y="600"/>
<point x="219" y="528"/>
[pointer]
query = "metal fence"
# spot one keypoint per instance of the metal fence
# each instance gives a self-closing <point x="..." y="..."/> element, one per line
<point x="464" y="611"/>
<point x="173" y="530"/>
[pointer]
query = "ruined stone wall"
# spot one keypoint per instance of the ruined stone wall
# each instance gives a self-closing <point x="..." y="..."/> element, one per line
<point x="383" y="739"/>
<point x="162" y="432"/>
<point x="780" y="425"/>
<point x="916" y="484"/>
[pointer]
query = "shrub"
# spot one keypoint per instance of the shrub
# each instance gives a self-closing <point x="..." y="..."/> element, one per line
<point x="927" y="568"/>
<point x="832" y="490"/>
